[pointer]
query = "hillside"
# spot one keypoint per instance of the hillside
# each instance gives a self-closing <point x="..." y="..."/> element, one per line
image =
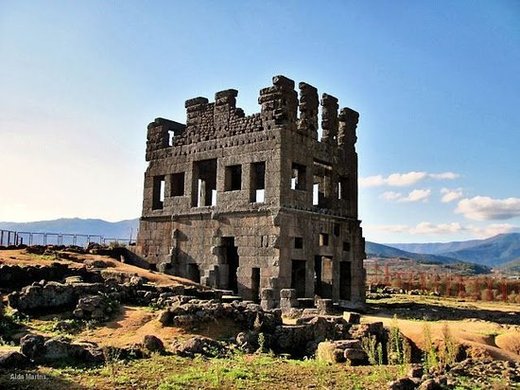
<point x="511" y="267"/>
<point x="378" y="250"/>
<point x="120" y="229"/>
<point x="492" y="251"/>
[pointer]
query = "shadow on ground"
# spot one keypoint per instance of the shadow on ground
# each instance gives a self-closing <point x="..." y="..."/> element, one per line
<point x="33" y="379"/>
<point x="433" y="312"/>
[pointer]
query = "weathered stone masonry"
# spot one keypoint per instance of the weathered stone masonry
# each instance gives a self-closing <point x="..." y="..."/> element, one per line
<point x="257" y="202"/>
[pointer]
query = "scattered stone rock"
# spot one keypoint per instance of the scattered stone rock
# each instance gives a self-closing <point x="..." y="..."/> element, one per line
<point x="356" y="357"/>
<point x="13" y="359"/>
<point x="95" y="307"/>
<point x="32" y="346"/>
<point x="153" y="344"/>
<point x="96" y="263"/>
<point x="402" y="384"/>
<point x="199" y="345"/>
<point x="352" y="318"/>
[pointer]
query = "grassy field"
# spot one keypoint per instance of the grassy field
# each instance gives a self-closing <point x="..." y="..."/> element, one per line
<point x="238" y="372"/>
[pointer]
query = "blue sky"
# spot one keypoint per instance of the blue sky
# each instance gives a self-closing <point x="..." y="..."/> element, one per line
<point x="436" y="84"/>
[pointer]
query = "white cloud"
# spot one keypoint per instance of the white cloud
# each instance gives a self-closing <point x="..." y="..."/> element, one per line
<point x="371" y="181"/>
<point x="387" y="228"/>
<point x="404" y="179"/>
<point x="430" y="228"/>
<point x="417" y="196"/>
<point x="493" y="229"/>
<point x="444" y="176"/>
<point x="413" y="196"/>
<point x="391" y="195"/>
<point x="484" y="208"/>
<point x="449" y="195"/>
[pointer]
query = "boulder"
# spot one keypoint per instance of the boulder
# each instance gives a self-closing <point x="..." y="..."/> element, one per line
<point x="402" y="384"/>
<point x="95" y="307"/>
<point x="328" y="352"/>
<point x="61" y="349"/>
<point x="355" y="357"/>
<point x="32" y="346"/>
<point x="13" y="359"/>
<point x="199" y="345"/>
<point x="153" y="344"/>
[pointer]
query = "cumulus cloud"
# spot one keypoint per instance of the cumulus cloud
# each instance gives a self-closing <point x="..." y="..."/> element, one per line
<point x="417" y="196"/>
<point x="414" y="196"/>
<point x="404" y="179"/>
<point x="430" y="228"/>
<point x="444" y="176"/>
<point x="484" y="208"/>
<point x="449" y="195"/>
<point x="493" y="229"/>
<point x="371" y="181"/>
<point x="391" y="196"/>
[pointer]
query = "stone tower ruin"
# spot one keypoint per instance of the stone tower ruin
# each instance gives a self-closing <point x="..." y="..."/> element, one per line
<point x="248" y="203"/>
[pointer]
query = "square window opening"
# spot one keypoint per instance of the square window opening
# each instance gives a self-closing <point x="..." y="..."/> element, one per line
<point x="233" y="179"/>
<point x="298" y="242"/>
<point x="324" y="239"/>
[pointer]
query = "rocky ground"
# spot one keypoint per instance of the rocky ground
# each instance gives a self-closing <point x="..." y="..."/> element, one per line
<point x="66" y="307"/>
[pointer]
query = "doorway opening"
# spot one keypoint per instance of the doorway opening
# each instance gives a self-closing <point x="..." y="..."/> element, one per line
<point x="193" y="272"/>
<point x="255" y="284"/>
<point x="323" y="276"/>
<point x="232" y="261"/>
<point x="298" y="277"/>
<point x="345" y="280"/>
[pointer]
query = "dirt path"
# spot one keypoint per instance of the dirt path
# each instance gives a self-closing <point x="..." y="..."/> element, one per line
<point x="130" y="327"/>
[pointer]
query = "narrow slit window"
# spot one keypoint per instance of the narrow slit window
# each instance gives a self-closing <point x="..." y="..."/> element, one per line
<point x="257" y="184"/>
<point x="158" y="193"/>
<point x="298" y="177"/>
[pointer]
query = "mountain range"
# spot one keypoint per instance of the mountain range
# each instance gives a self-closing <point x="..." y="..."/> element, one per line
<point x="491" y="251"/>
<point x="494" y="251"/>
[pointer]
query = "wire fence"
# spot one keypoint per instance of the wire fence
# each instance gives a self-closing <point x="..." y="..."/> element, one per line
<point x="10" y="237"/>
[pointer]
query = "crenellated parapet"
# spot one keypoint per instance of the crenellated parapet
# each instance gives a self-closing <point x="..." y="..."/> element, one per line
<point x="281" y="108"/>
<point x="348" y="120"/>
<point x="279" y="102"/>
<point x="329" y="119"/>
<point x="309" y="106"/>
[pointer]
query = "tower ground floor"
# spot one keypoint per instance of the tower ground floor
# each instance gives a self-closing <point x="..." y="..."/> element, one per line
<point x="313" y="253"/>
